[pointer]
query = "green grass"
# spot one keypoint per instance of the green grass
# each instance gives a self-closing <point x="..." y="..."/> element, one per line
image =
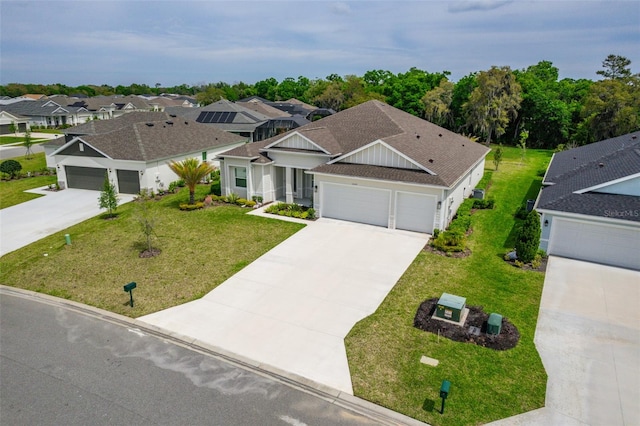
<point x="4" y="140"/>
<point x="384" y="349"/>
<point x="200" y="250"/>
<point x="12" y="191"/>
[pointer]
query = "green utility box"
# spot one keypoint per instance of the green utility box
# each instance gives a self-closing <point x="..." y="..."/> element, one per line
<point x="494" y="324"/>
<point x="450" y="307"/>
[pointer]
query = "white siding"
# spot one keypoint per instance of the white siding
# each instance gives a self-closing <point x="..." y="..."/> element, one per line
<point x="298" y="160"/>
<point x="628" y="187"/>
<point x="380" y="155"/>
<point x="296" y="141"/>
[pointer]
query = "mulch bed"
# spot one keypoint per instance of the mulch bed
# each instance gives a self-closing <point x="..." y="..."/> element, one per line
<point x="507" y="339"/>
<point x="455" y="254"/>
<point x="147" y="254"/>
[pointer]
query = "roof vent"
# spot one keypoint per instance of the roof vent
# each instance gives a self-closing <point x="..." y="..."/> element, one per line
<point x="149" y="124"/>
<point x="431" y="160"/>
<point x="186" y="122"/>
<point x="417" y="136"/>
<point x="440" y="134"/>
<point x="170" y="123"/>
<point x="634" y="137"/>
<point x="601" y="165"/>
<point x="172" y="115"/>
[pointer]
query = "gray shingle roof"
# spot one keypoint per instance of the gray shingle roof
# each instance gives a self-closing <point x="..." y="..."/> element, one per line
<point x="588" y="166"/>
<point x="157" y="140"/>
<point x="447" y="154"/>
<point x="104" y="126"/>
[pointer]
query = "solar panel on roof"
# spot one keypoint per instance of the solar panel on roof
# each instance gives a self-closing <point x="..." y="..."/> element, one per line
<point x="216" y="117"/>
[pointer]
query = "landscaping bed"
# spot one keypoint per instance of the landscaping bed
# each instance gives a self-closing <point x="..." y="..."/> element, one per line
<point x="507" y="339"/>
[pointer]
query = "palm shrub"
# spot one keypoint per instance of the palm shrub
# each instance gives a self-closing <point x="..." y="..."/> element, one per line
<point x="528" y="238"/>
<point x="192" y="171"/>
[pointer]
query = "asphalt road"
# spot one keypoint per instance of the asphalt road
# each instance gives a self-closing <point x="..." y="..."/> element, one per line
<point x="59" y="365"/>
<point x="18" y="151"/>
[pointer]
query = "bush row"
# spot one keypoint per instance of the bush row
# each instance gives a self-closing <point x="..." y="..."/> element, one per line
<point x="292" y="210"/>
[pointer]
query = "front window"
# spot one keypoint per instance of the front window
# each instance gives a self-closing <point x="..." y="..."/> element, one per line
<point x="241" y="177"/>
<point x="204" y="156"/>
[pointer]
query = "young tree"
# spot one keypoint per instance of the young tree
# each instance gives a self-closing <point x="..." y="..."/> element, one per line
<point x="148" y="221"/>
<point x="497" y="156"/>
<point x="494" y="103"/>
<point x="192" y="171"/>
<point x="28" y="143"/>
<point x="108" y="197"/>
<point x="522" y="144"/>
<point x="528" y="238"/>
<point x="13" y="128"/>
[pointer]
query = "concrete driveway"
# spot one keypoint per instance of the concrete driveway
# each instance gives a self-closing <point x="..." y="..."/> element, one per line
<point x="588" y="336"/>
<point x="291" y="309"/>
<point x="25" y="223"/>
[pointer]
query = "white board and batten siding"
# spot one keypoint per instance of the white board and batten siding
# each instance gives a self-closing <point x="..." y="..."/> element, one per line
<point x="296" y="141"/>
<point x="605" y="243"/>
<point x="380" y="155"/>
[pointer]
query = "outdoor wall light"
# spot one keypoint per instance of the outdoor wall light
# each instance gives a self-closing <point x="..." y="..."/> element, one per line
<point x="439" y="205"/>
<point x="141" y="172"/>
<point x="315" y="188"/>
<point x="546" y="222"/>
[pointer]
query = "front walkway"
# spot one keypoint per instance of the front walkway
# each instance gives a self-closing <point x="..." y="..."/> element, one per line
<point x="588" y="336"/>
<point x="291" y="309"/>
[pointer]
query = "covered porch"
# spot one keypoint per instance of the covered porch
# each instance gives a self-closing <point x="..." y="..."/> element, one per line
<point x="293" y="185"/>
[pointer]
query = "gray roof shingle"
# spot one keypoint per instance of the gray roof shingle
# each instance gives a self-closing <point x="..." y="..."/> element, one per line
<point x="446" y="153"/>
<point x="588" y="166"/>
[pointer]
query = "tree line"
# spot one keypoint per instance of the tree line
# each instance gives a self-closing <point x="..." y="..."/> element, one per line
<point x="530" y="106"/>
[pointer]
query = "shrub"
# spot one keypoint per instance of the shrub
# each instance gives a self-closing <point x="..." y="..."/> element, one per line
<point x="528" y="238"/>
<point x="291" y="210"/>
<point x="257" y="198"/>
<point x="10" y="167"/>
<point x="216" y="189"/>
<point x="180" y="183"/>
<point x="521" y="213"/>
<point x="232" y="198"/>
<point x="189" y="207"/>
<point x="311" y="213"/>
<point x="436" y="232"/>
<point x="450" y="241"/>
<point x="487" y="203"/>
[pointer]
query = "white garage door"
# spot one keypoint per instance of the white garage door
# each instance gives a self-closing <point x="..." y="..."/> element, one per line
<point x="356" y="204"/>
<point x="599" y="243"/>
<point x="415" y="212"/>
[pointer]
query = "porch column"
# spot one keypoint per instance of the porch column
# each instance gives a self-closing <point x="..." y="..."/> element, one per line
<point x="288" y="179"/>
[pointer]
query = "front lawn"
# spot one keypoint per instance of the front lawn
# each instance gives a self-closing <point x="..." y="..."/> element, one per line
<point x="12" y="191"/>
<point x="384" y="350"/>
<point x="200" y="250"/>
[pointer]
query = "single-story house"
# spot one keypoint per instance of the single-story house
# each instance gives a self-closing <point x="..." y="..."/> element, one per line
<point x="371" y="163"/>
<point x="136" y="156"/>
<point x="47" y="113"/>
<point x="590" y="203"/>
<point x="8" y="119"/>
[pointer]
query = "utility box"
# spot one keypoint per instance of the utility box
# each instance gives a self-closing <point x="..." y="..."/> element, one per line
<point x="478" y="193"/>
<point x="450" y="307"/>
<point x="494" y="324"/>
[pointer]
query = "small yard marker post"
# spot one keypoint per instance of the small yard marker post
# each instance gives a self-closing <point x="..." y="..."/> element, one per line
<point x="444" y="392"/>
<point x="129" y="287"/>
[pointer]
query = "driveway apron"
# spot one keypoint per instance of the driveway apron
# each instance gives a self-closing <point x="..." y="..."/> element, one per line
<point x="292" y="308"/>
<point x="25" y="223"/>
<point x="588" y="336"/>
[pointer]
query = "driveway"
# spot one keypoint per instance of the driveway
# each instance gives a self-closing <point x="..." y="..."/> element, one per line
<point x="291" y="309"/>
<point x="25" y="223"/>
<point x="588" y="336"/>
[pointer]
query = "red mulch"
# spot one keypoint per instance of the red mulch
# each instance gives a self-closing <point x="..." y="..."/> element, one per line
<point x="507" y="339"/>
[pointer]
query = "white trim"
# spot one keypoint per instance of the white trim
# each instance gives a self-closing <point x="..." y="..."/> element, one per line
<point x="609" y="183"/>
<point x="389" y="147"/>
<point x="421" y="185"/>
<point x="589" y="218"/>
<point x="290" y="135"/>
<point x="72" y="141"/>
<point x="544" y="178"/>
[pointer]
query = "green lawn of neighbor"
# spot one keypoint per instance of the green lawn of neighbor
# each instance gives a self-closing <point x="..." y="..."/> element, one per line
<point x="12" y="191"/>
<point x="384" y="350"/>
<point x="200" y="250"/>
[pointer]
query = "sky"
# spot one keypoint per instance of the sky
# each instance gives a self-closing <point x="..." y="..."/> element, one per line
<point x="190" y="42"/>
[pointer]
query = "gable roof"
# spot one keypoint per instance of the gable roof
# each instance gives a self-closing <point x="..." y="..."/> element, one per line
<point x="572" y="175"/>
<point x="104" y="126"/>
<point x="446" y="154"/>
<point x="156" y="140"/>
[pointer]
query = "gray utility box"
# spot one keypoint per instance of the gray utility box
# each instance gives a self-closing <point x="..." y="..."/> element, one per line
<point x="494" y="324"/>
<point x="450" y="307"/>
<point x="478" y="193"/>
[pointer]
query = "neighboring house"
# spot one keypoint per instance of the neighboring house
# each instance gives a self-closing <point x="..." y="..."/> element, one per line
<point x="371" y="163"/>
<point x="7" y="119"/>
<point x="135" y="156"/>
<point x="590" y="203"/>
<point x="292" y="107"/>
<point x="48" y="113"/>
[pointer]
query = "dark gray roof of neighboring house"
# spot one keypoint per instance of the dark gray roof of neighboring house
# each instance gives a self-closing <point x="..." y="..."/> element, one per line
<point x="588" y="166"/>
<point x="104" y="126"/>
<point x="447" y="154"/>
<point x="38" y="108"/>
<point x="243" y="120"/>
<point x="156" y="140"/>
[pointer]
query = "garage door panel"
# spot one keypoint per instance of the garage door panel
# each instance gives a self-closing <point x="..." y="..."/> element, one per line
<point x="601" y="243"/>
<point x="415" y="212"/>
<point x="356" y="204"/>
<point x="85" y="177"/>
<point x="128" y="181"/>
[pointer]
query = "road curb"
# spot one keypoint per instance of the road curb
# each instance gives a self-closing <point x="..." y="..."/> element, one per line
<point x="375" y="412"/>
